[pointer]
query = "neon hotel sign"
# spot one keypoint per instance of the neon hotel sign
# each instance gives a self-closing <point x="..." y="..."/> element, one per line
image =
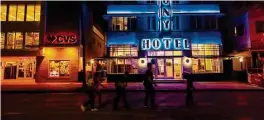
<point x="164" y="15"/>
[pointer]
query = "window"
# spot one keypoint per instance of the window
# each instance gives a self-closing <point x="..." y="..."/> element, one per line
<point x="2" y="40"/>
<point x="211" y="22"/>
<point x="175" y="23"/>
<point x="151" y="23"/>
<point x="239" y="30"/>
<point x="123" y="51"/>
<point x="207" y="65"/>
<point x="196" y="22"/>
<point x="259" y="26"/>
<point x="14" y="40"/>
<point x="3" y="12"/>
<point x="123" y="23"/>
<point x="59" y="68"/>
<point x="32" y="40"/>
<point x="33" y="13"/>
<point x="119" y="66"/>
<point x="12" y="13"/>
<point x="205" y="49"/>
<point x="16" y="13"/>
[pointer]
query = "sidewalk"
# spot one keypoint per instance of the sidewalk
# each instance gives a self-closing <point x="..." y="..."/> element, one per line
<point x="75" y="87"/>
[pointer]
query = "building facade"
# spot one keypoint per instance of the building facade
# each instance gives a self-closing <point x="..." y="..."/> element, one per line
<point x="174" y="36"/>
<point x="247" y="35"/>
<point x="43" y="41"/>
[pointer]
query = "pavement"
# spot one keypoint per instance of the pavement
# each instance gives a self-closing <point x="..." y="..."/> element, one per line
<point x="75" y="87"/>
<point x="209" y="105"/>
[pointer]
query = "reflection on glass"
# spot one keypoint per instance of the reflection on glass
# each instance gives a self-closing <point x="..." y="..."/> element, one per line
<point x="19" y="40"/>
<point x="177" y="68"/>
<point x="2" y="40"/>
<point x="10" y="40"/>
<point x="169" y="68"/>
<point x="32" y="39"/>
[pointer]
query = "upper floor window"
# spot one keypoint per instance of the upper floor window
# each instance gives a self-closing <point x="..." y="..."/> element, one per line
<point x="123" y="51"/>
<point x="175" y="23"/>
<point x="16" y="13"/>
<point x="211" y="22"/>
<point x="196" y="22"/>
<point x="239" y="30"/>
<point x="3" y="12"/>
<point x="151" y="23"/>
<point x="124" y="23"/>
<point x="259" y="26"/>
<point x="33" y="13"/>
<point x="14" y="40"/>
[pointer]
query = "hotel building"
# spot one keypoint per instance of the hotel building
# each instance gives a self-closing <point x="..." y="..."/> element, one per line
<point x="174" y="36"/>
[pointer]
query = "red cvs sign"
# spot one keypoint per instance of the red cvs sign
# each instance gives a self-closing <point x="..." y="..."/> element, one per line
<point x="61" y="39"/>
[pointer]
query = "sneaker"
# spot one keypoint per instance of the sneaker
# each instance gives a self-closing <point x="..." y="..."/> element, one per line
<point x="83" y="108"/>
<point x="94" y="110"/>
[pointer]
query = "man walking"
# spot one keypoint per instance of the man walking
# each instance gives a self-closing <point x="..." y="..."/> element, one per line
<point x="89" y="89"/>
<point x="149" y="88"/>
<point x="189" y="89"/>
<point x="121" y="85"/>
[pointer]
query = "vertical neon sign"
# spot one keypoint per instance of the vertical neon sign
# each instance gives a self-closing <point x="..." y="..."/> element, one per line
<point x="164" y="15"/>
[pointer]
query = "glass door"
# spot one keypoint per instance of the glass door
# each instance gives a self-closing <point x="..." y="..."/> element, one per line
<point x="160" y="71"/>
<point x="169" y="68"/>
<point x="177" y="68"/>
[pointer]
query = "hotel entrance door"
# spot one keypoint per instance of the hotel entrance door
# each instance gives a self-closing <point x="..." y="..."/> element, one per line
<point x="164" y="68"/>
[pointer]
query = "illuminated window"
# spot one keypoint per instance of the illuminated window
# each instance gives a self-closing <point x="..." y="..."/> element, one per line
<point x="207" y="65"/>
<point x="123" y="50"/>
<point x="33" y="13"/>
<point x="14" y="40"/>
<point x="20" y="12"/>
<point x="3" y="12"/>
<point x="211" y="22"/>
<point x="2" y="40"/>
<point x="12" y="13"/>
<point x="123" y="23"/>
<point x="175" y="23"/>
<point x="59" y="68"/>
<point x="16" y="13"/>
<point x="164" y="53"/>
<point x="206" y="49"/>
<point x="24" y="68"/>
<point x="119" y="66"/>
<point x="31" y="40"/>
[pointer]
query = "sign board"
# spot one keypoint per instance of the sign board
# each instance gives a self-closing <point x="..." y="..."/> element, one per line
<point x="61" y="38"/>
<point x="165" y="44"/>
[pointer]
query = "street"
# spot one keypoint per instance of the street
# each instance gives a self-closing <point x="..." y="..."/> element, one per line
<point x="217" y="105"/>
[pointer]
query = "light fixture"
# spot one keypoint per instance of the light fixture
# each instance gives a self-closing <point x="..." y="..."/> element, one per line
<point x="241" y="59"/>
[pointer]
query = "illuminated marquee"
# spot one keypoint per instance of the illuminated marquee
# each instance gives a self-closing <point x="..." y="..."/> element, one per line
<point x="165" y="44"/>
<point x="61" y="38"/>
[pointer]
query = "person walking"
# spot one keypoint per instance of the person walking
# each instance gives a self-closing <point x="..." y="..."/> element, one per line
<point x="149" y="88"/>
<point x="98" y="83"/>
<point x="89" y="89"/>
<point x="189" y="89"/>
<point x="120" y="86"/>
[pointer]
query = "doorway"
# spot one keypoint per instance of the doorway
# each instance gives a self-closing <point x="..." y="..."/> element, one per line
<point x="168" y="68"/>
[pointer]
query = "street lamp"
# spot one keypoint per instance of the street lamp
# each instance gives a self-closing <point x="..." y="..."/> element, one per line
<point x="241" y="62"/>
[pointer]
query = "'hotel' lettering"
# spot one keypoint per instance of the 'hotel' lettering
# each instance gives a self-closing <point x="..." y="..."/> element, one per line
<point x="165" y="43"/>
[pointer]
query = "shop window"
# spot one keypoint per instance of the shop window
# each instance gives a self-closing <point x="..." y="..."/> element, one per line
<point x="16" y="13"/>
<point x="123" y="23"/>
<point x="59" y="68"/>
<point x="206" y="50"/>
<point x="3" y="12"/>
<point x="259" y="26"/>
<point x="14" y="40"/>
<point x="32" y="40"/>
<point x="10" y="70"/>
<point x="33" y="13"/>
<point x="151" y="23"/>
<point x="119" y="66"/>
<point x="207" y="65"/>
<point x="123" y="51"/>
<point x="19" y="69"/>
<point x="2" y="40"/>
<point x="175" y="23"/>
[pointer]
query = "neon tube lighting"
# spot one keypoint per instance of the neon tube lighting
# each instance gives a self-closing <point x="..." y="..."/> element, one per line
<point x="127" y="12"/>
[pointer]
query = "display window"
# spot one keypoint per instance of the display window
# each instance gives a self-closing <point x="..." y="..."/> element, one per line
<point x="59" y="68"/>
